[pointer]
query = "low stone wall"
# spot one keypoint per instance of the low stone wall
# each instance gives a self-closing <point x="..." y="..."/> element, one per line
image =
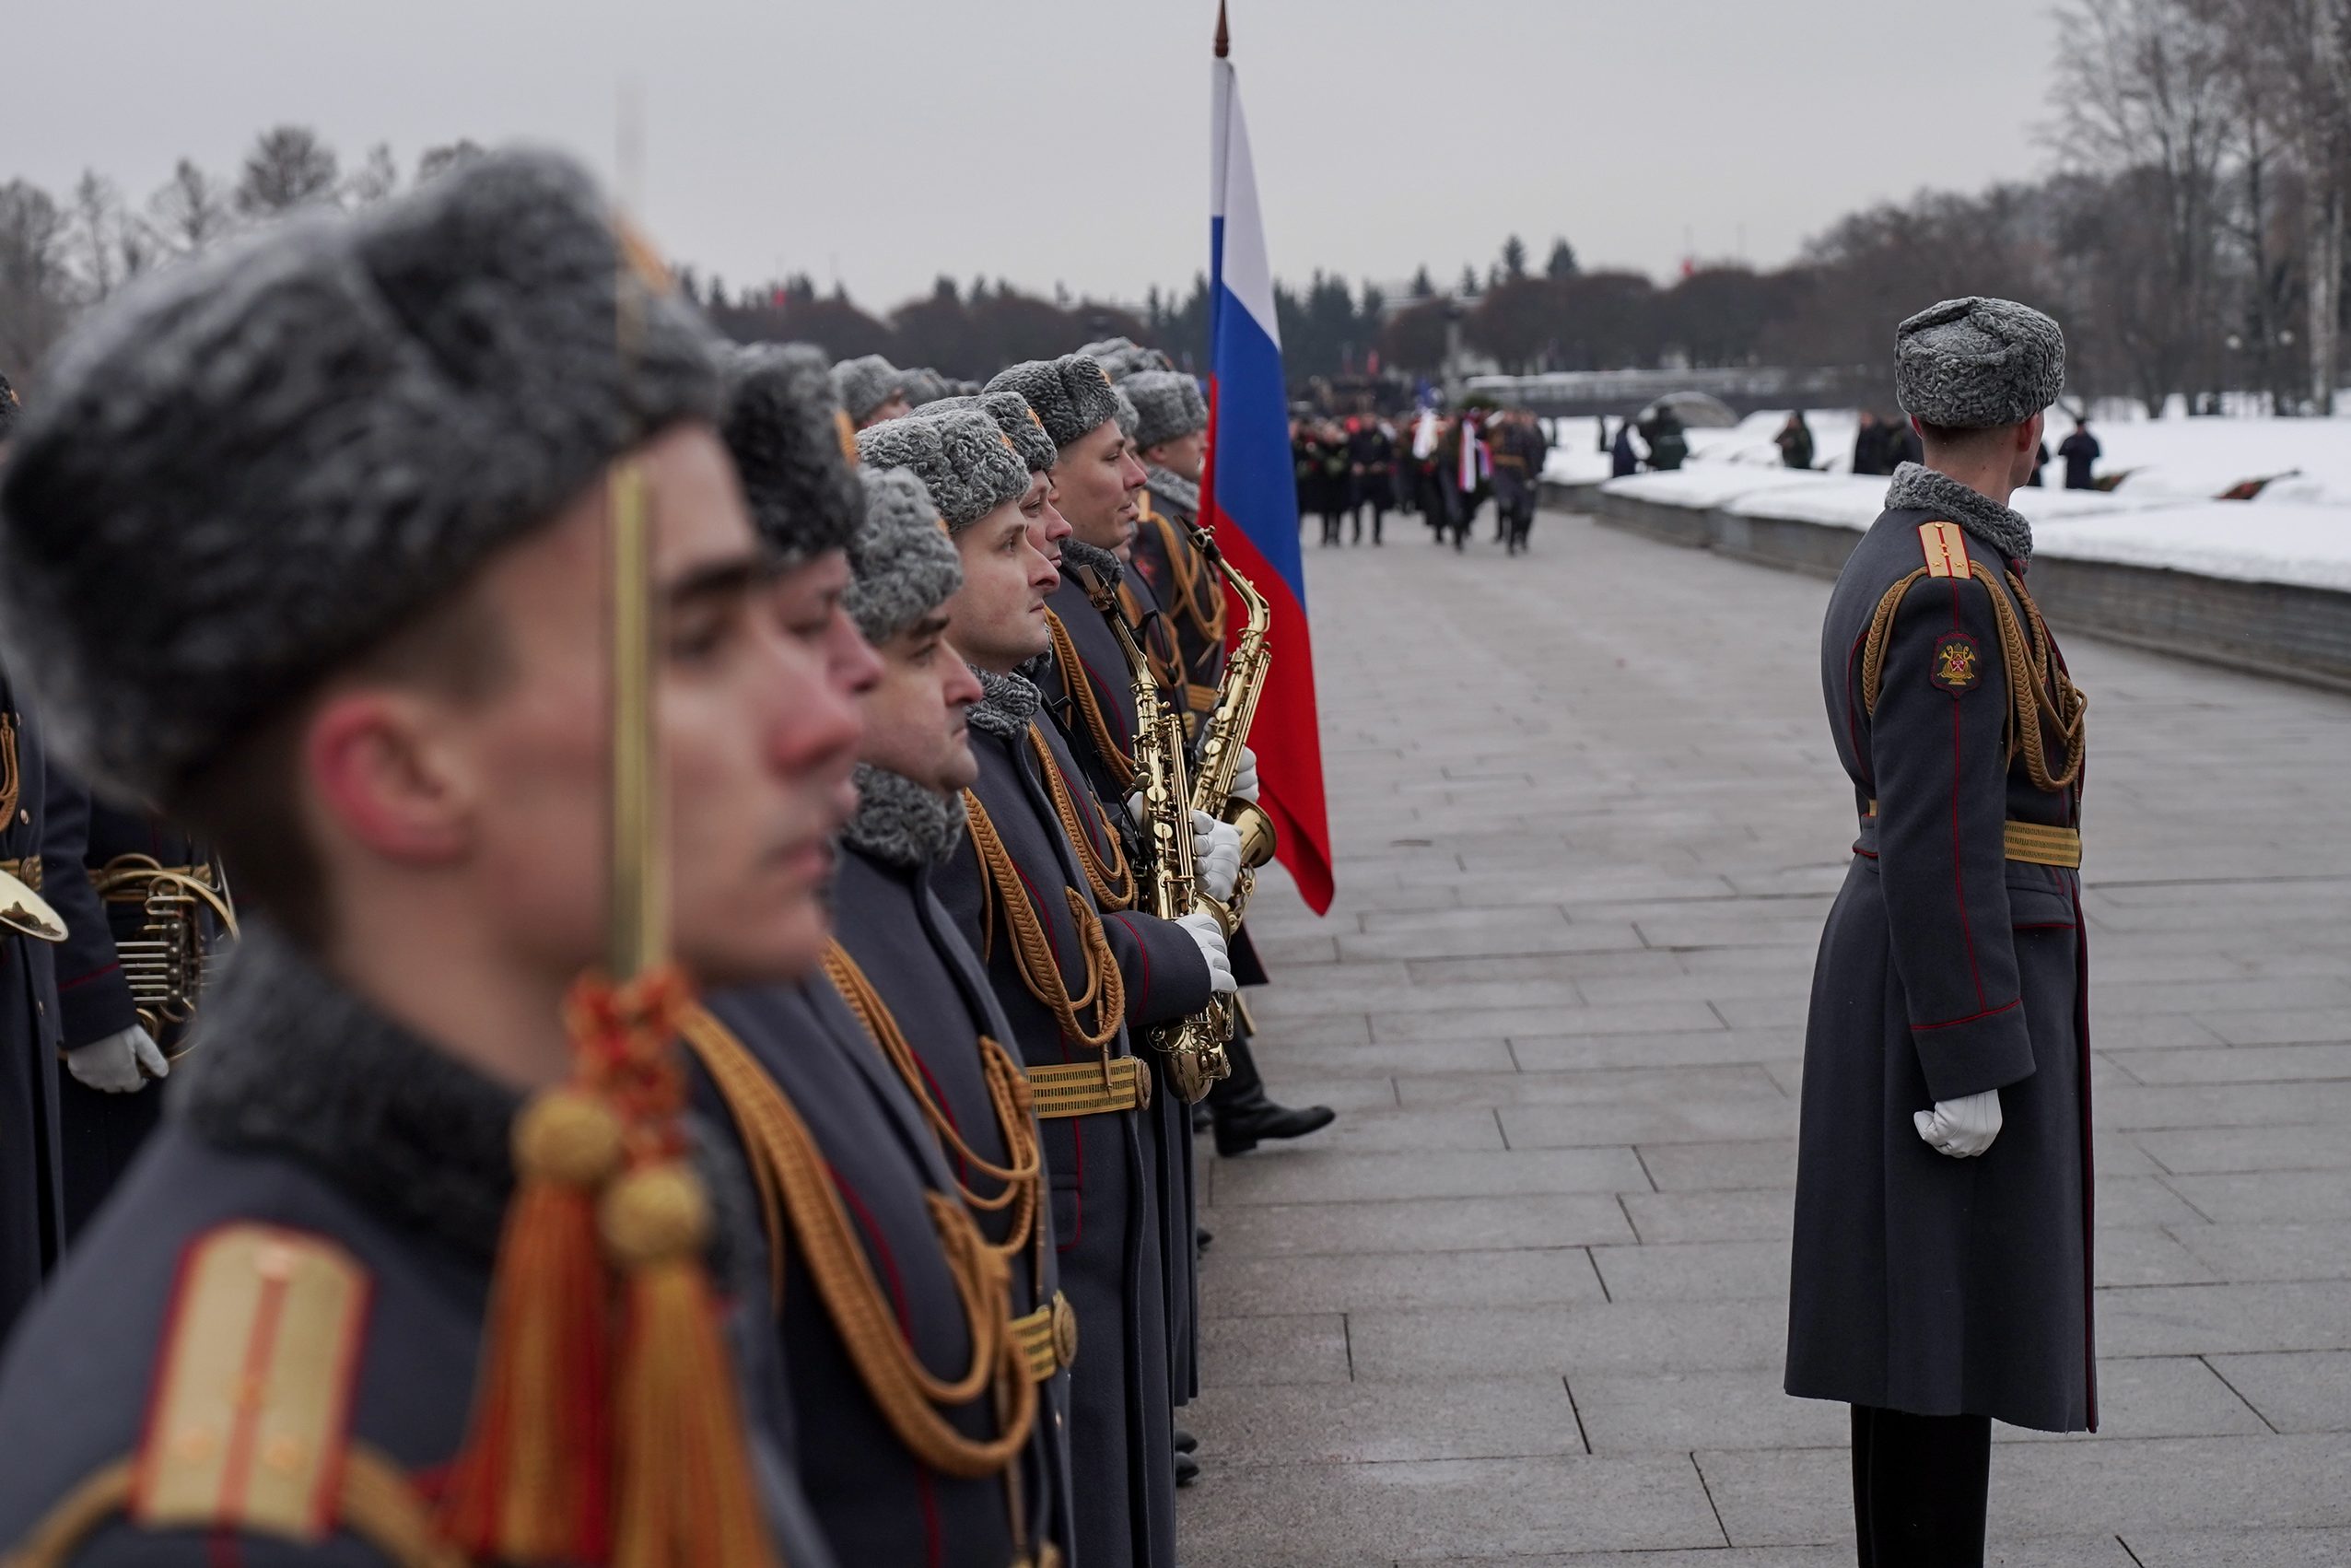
<point x="2273" y="628"/>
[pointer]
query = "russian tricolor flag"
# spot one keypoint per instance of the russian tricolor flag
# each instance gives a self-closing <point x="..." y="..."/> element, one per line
<point x="1249" y="495"/>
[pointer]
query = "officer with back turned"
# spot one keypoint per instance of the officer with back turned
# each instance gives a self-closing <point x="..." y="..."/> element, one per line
<point x="1941" y="1263"/>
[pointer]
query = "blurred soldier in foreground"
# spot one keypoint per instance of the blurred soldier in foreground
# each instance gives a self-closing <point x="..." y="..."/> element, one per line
<point x="358" y="1301"/>
<point x="1941" y="1266"/>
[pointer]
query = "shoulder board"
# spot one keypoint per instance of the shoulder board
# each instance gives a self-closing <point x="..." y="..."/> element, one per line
<point x="1945" y="545"/>
<point x="251" y="1415"/>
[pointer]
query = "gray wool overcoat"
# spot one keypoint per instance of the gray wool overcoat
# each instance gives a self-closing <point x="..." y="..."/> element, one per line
<point x="1108" y="1207"/>
<point x="1922" y="1283"/>
<point x="902" y="937"/>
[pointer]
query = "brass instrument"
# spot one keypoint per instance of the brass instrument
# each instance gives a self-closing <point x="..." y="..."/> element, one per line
<point x="167" y="962"/>
<point x="1226" y="727"/>
<point x="1194" y="1046"/>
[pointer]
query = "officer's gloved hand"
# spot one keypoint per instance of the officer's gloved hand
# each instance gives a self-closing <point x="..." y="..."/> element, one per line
<point x="1216" y="856"/>
<point x="1963" y="1128"/>
<point x="119" y="1064"/>
<point x="1211" y="937"/>
<point x="1245" y="782"/>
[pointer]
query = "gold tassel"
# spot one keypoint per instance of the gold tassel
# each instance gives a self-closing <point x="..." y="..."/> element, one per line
<point x="685" y="1497"/>
<point x="534" y="1484"/>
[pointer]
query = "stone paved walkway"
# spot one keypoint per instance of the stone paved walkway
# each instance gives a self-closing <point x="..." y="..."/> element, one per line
<point x="1524" y="1304"/>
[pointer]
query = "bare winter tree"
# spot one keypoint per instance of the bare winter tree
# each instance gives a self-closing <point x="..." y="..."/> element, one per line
<point x="110" y="244"/>
<point x="36" y="284"/>
<point x="434" y="160"/>
<point x="2296" y="59"/>
<point x="189" y="211"/>
<point x="376" y="178"/>
<point x="288" y="167"/>
<point x="2147" y="96"/>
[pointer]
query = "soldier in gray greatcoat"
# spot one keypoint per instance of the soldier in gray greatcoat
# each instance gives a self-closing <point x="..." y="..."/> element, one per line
<point x="356" y="472"/>
<point x="899" y="939"/>
<point x="886" y="1489"/>
<point x="1068" y="980"/>
<point x="1942" y="1251"/>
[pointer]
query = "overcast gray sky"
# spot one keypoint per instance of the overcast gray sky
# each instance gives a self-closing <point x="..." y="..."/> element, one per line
<point x="1065" y="141"/>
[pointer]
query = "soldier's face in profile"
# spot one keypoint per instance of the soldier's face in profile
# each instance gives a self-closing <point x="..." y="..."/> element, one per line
<point x="757" y="738"/>
<point x="1184" y="457"/>
<point x="996" y="618"/>
<point x="915" y="716"/>
<point x="1093" y="476"/>
<point x="1048" y="527"/>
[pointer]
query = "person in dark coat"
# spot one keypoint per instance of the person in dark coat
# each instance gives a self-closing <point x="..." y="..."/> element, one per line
<point x="386" y="711"/>
<point x="1022" y="895"/>
<point x="1668" y="447"/>
<point x="2039" y="462"/>
<point x="1173" y="446"/>
<point x="848" y="1166"/>
<point x="32" y="1222"/>
<point x="2081" y="452"/>
<point x="1370" y="457"/>
<point x="1903" y="444"/>
<point x="1941" y="1274"/>
<point x="1794" y="441"/>
<point x="1519" y="452"/>
<point x="908" y="971"/>
<point x="115" y="1044"/>
<point x="1869" y="445"/>
<point x="32" y="1212"/>
<point x="1623" y="459"/>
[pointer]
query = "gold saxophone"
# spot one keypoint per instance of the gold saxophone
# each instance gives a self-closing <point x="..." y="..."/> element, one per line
<point x="1193" y="1047"/>
<point x="1225" y="729"/>
<point x="167" y="962"/>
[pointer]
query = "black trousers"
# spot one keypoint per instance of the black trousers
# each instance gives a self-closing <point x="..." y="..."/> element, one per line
<point x="1919" y="1488"/>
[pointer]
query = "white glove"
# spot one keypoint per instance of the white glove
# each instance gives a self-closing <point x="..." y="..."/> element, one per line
<point x="1245" y="782"/>
<point x="1963" y="1128"/>
<point x="1211" y="936"/>
<point x="119" y="1064"/>
<point x="1216" y="856"/>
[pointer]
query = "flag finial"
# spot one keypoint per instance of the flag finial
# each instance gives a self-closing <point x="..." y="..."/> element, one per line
<point x="1224" y="33"/>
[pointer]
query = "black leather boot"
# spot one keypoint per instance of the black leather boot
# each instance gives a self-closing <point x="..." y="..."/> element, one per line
<point x="1245" y="1118"/>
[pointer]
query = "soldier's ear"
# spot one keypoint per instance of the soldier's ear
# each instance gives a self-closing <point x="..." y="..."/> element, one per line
<point x="379" y="778"/>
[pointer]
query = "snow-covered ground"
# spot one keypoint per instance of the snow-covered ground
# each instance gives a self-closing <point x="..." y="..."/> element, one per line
<point x="2306" y="461"/>
<point x="2304" y="542"/>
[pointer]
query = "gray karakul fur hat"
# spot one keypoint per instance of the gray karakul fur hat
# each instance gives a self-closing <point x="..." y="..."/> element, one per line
<point x="1123" y="356"/>
<point x="1977" y="363"/>
<point x="1016" y="419"/>
<point x="1169" y="405"/>
<point x="963" y="460"/>
<point x="902" y="564"/>
<point x="794" y="449"/>
<point x="924" y="386"/>
<point x="250" y="468"/>
<point x="865" y="383"/>
<point x="10" y="409"/>
<point x="1071" y="396"/>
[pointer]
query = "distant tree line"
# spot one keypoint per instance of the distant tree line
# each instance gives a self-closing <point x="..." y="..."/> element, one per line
<point x="2191" y="238"/>
<point x="58" y="256"/>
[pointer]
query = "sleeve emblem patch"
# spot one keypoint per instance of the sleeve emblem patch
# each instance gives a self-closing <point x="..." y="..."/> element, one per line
<point x="1955" y="663"/>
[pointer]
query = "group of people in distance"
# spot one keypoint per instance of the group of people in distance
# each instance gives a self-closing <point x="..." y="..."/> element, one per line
<point x="1369" y="461"/>
<point x="855" y="1223"/>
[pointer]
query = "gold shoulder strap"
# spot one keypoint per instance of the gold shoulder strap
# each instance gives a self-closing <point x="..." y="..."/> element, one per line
<point x="250" y="1428"/>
